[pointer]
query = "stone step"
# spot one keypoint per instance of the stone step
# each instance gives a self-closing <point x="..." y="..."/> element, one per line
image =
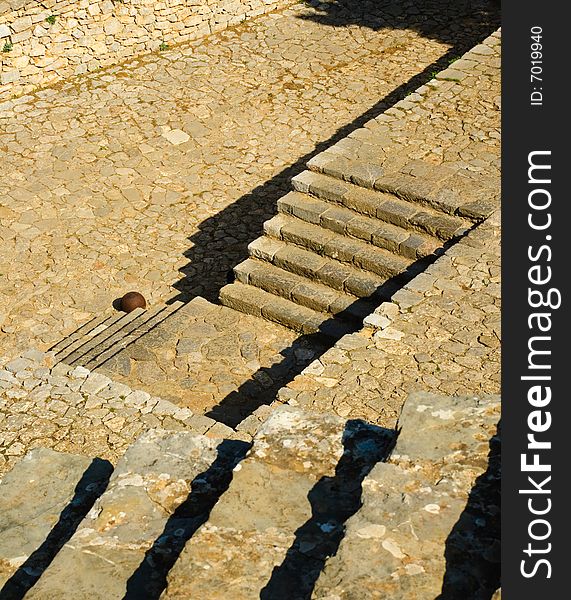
<point x="454" y="191"/>
<point x="283" y="512"/>
<point x="326" y="242"/>
<point x="94" y="346"/>
<point x="439" y="464"/>
<point x="255" y="301"/>
<point x="42" y="500"/>
<point x="162" y="489"/>
<point x="321" y="269"/>
<point x="348" y="222"/>
<point x="84" y="334"/>
<point x="302" y="291"/>
<point x="127" y="335"/>
<point x="383" y="206"/>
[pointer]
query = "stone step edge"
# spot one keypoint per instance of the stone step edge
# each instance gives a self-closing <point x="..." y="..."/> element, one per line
<point x="351" y="224"/>
<point x="343" y="249"/>
<point x="259" y="303"/>
<point x="322" y="269"/>
<point x="126" y="336"/>
<point x="403" y="213"/>
<point x="102" y="332"/>
<point x="126" y="326"/>
<point x="302" y="291"/>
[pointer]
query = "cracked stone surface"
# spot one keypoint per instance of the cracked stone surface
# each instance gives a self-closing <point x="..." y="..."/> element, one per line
<point x="35" y="497"/>
<point x="154" y="477"/>
<point x="430" y="516"/>
<point x="213" y="360"/>
<point x="158" y="172"/>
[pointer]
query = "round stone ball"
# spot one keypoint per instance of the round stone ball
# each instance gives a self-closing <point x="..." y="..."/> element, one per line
<point x="132" y="300"/>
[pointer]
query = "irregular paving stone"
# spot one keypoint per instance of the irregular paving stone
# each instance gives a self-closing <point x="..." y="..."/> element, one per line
<point x="94" y="201"/>
<point x="88" y="415"/>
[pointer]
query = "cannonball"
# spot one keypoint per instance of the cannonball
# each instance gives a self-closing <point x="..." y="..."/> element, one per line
<point x="132" y="300"/>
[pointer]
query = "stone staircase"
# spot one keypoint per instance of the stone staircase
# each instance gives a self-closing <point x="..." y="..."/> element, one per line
<point x="312" y="509"/>
<point x="340" y="244"/>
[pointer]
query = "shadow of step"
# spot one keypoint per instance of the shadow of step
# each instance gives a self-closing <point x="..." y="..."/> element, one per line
<point x="426" y="529"/>
<point x="100" y="339"/>
<point x="284" y="511"/>
<point x="139" y="517"/>
<point x="42" y="501"/>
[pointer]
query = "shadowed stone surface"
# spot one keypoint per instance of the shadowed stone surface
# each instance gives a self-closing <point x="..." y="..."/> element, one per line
<point x="152" y="479"/>
<point x="40" y="502"/>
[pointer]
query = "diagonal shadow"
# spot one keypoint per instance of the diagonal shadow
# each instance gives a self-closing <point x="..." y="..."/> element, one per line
<point x="473" y="546"/>
<point x="89" y="488"/>
<point x="150" y="578"/>
<point x="333" y="500"/>
<point x="213" y="252"/>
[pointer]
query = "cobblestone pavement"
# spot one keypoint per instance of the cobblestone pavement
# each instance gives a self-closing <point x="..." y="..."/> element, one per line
<point x="205" y="353"/>
<point x="73" y="410"/>
<point x="441" y="333"/>
<point x="121" y="179"/>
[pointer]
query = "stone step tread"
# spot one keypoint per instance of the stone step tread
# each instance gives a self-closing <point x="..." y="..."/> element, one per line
<point x="348" y="222"/>
<point x="275" y="491"/>
<point x="328" y="271"/>
<point x="343" y="248"/>
<point x="85" y="330"/>
<point x="441" y="450"/>
<point x="302" y="291"/>
<point x="384" y="206"/>
<point x="474" y="196"/>
<point x="126" y="336"/>
<point x="161" y="472"/>
<point x="255" y="301"/>
<point x="83" y="345"/>
<point x="43" y="489"/>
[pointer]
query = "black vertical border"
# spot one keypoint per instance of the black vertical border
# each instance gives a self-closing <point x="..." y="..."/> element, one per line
<point x="527" y="128"/>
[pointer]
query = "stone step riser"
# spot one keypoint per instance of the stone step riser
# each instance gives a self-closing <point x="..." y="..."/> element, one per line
<point x="255" y="301"/>
<point x="357" y="253"/>
<point x="388" y="208"/>
<point x="354" y="225"/>
<point x="440" y="188"/>
<point x="301" y="291"/>
<point x="323" y="270"/>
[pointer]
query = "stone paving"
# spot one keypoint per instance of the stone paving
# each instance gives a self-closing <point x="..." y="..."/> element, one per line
<point x="149" y="174"/>
<point x="440" y="333"/>
<point x="213" y="360"/>
<point x="113" y="184"/>
<point x="73" y="410"/>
